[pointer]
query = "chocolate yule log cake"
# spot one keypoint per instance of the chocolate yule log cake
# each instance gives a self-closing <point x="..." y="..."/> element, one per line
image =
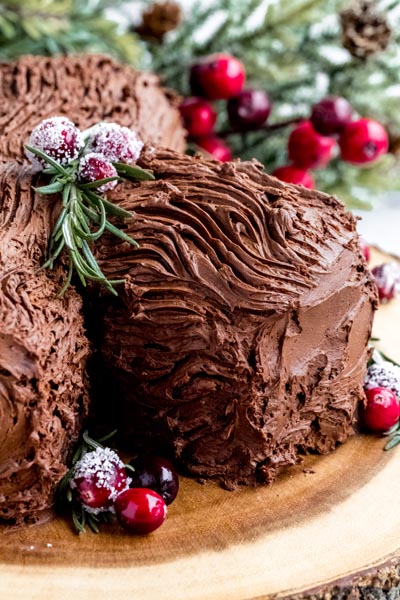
<point x="86" y="89"/>
<point x="239" y="339"/>
<point x="43" y="344"/>
<point x="43" y="351"/>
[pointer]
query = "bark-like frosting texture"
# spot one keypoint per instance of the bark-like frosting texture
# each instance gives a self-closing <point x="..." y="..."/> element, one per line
<point x="87" y="89"/>
<point x="240" y="338"/>
<point x="43" y="350"/>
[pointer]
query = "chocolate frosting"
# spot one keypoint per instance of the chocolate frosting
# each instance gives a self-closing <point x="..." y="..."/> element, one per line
<point x="87" y="89"/>
<point x="43" y="351"/>
<point x="240" y="337"/>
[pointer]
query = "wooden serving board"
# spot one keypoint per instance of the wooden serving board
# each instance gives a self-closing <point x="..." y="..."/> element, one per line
<point x="326" y="521"/>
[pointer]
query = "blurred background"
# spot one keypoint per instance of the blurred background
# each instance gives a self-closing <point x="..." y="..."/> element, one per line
<point x="302" y="59"/>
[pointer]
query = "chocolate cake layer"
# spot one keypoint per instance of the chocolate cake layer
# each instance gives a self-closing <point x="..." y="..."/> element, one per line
<point x="43" y="351"/>
<point x="240" y="337"/>
<point x="87" y="89"/>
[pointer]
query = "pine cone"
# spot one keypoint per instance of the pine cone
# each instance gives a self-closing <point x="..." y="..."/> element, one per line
<point x="158" y="19"/>
<point x="365" y="31"/>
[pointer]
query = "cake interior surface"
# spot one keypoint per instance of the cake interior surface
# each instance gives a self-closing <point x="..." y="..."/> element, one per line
<point x="239" y="341"/>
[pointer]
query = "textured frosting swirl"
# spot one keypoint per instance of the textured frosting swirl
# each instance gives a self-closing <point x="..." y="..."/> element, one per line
<point x="240" y="338"/>
<point x="87" y="89"/>
<point x="43" y="351"/>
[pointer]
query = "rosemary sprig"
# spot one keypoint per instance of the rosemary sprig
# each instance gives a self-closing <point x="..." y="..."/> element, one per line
<point x="83" y="218"/>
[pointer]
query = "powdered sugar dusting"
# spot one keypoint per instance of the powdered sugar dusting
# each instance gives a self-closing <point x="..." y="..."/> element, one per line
<point x="95" y="166"/>
<point x="116" y="143"/>
<point x="59" y="138"/>
<point x="104" y="470"/>
<point x="385" y="375"/>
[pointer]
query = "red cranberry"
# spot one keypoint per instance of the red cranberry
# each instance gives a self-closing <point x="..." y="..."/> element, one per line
<point x="198" y="116"/>
<point x="294" y="175"/>
<point x="219" y="76"/>
<point x="98" y="478"/>
<point x="216" y="147"/>
<point x="330" y="115"/>
<point x="387" y="279"/>
<point x="94" y="166"/>
<point x="59" y="138"/>
<point x="116" y="143"/>
<point x="382" y="410"/>
<point x="307" y="148"/>
<point x="365" y="250"/>
<point x="158" y="474"/>
<point x="140" y="510"/>
<point x="363" y="141"/>
<point x="249" y="110"/>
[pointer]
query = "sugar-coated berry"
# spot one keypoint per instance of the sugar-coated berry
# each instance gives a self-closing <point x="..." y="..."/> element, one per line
<point x="363" y="141"/>
<point x="216" y="147"/>
<point x="307" y="148"/>
<point x="331" y="114"/>
<point x="384" y="374"/>
<point x="93" y="167"/>
<point x="140" y="510"/>
<point x="116" y="143"/>
<point x="382" y="410"/>
<point x="387" y="279"/>
<point x="249" y="110"/>
<point x="219" y="76"/>
<point x="365" y="250"/>
<point x="59" y="138"/>
<point x="98" y="478"/>
<point x="295" y="175"/>
<point x="156" y="473"/>
<point x="198" y="116"/>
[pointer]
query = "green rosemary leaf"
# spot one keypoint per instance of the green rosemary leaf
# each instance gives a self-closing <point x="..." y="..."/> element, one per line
<point x="79" y="520"/>
<point x="107" y="437"/>
<point x="59" y="168"/>
<point x="394" y="441"/>
<point x="90" y="258"/>
<point x="49" y="171"/>
<point x="59" y="221"/>
<point x="121" y="234"/>
<point x="67" y="281"/>
<point x="50" y="262"/>
<point x="133" y="172"/>
<point x="91" y="520"/>
<point x="91" y="442"/>
<point x="392" y="430"/>
<point x="98" y="217"/>
<point x="68" y="233"/>
<point x="96" y="184"/>
<point x="66" y="193"/>
<point x="52" y="188"/>
<point x="110" y="207"/>
<point x="129" y="468"/>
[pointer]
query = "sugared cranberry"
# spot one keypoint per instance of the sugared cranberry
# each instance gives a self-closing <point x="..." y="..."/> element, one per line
<point x="307" y="148"/>
<point x="140" y="510"/>
<point x="363" y="141"/>
<point x="294" y="175"/>
<point x="116" y="143"/>
<point x="94" y="166"/>
<point x="216" y="147"/>
<point x="330" y="115"/>
<point x="219" y="76"/>
<point x="382" y="410"/>
<point x="387" y="278"/>
<point x="365" y="250"/>
<point x="249" y="110"/>
<point x="156" y="473"/>
<point x="198" y="116"/>
<point x="98" y="479"/>
<point x="57" y="137"/>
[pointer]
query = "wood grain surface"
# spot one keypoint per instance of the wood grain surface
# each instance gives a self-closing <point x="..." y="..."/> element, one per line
<point x="321" y="526"/>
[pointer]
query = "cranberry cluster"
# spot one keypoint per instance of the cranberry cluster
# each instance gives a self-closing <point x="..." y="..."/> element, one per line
<point x="95" y="151"/>
<point x="100" y="484"/>
<point x="331" y="128"/>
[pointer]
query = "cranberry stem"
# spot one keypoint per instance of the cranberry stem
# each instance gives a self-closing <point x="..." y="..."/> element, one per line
<point x="273" y="127"/>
